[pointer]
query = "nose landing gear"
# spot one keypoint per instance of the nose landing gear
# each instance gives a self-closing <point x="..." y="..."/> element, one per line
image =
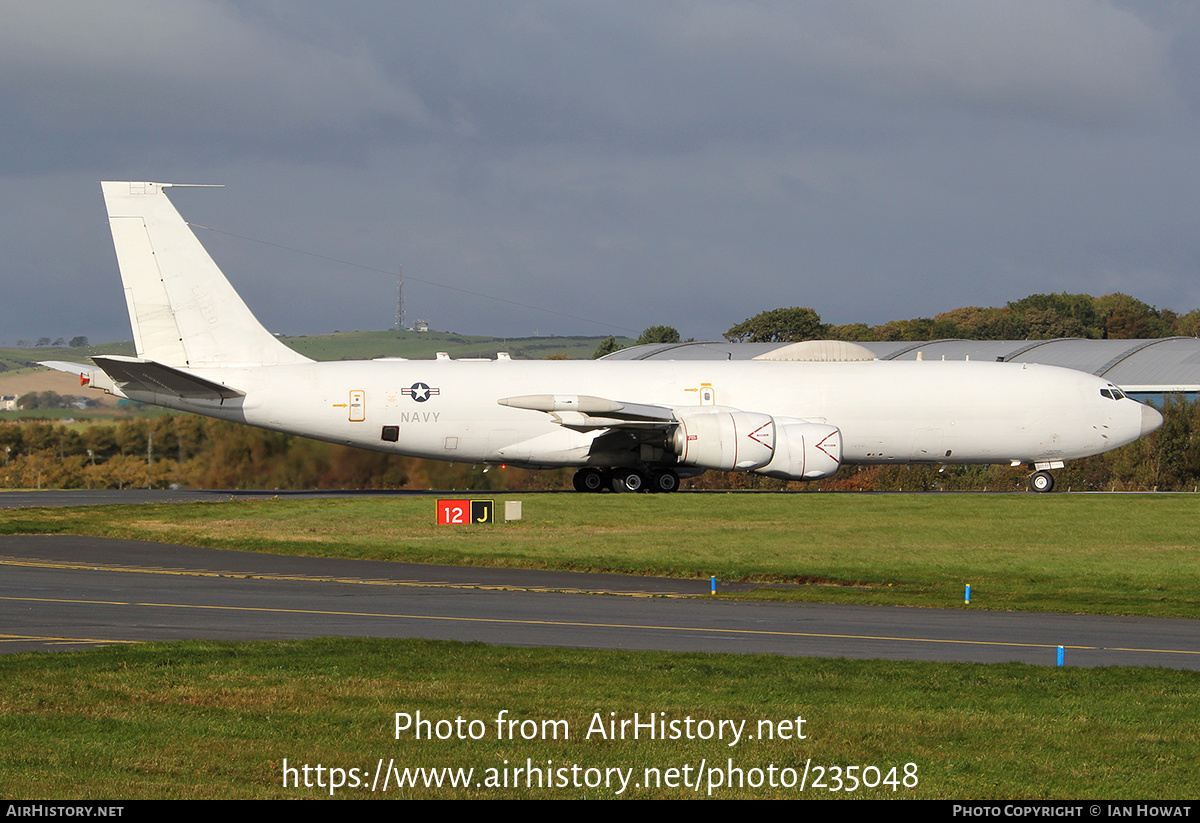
<point x="1041" y="481"/>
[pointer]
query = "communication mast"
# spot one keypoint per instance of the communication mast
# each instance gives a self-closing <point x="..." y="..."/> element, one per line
<point x="400" y="301"/>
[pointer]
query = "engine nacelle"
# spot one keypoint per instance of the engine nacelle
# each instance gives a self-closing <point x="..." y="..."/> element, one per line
<point x="804" y="451"/>
<point x="724" y="439"/>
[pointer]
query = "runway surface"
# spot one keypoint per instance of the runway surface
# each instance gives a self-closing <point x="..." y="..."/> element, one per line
<point x="66" y="592"/>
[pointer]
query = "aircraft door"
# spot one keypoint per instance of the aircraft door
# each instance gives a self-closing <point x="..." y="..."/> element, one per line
<point x="358" y="406"/>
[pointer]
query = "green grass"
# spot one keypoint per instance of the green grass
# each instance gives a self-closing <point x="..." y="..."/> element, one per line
<point x="1097" y="554"/>
<point x="212" y="720"/>
<point x="15" y="359"/>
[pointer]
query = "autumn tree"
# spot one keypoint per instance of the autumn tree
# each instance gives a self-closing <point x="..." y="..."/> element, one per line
<point x="853" y="333"/>
<point x="1188" y="325"/>
<point x="1049" y="316"/>
<point x="607" y="346"/>
<point x="779" y="326"/>
<point x="1127" y="318"/>
<point x="658" y="334"/>
<point x="978" y="323"/>
<point x="920" y="328"/>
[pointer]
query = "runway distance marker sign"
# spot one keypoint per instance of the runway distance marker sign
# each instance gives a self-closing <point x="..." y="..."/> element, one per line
<point x="465" y="512"/>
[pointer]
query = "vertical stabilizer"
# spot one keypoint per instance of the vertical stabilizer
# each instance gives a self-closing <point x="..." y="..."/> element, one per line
<point x="183" y="310"/>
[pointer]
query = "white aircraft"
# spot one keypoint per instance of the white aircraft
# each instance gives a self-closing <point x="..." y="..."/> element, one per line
<point x="626" y="425"/>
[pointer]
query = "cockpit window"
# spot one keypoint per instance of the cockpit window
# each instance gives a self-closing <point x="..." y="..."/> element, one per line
<point x="1112" y="393"/>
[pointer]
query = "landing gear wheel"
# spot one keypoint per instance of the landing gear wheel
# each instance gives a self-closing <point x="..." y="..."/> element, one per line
<point x="665" y="482"/>
<point x="628" y="480"/>
<point x="1041" y="481"/>
<point x="589" y="480"/>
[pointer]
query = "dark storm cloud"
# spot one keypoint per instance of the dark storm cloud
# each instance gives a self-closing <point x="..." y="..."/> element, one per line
<point x="637" y="163"/>
<point x="120" y="78"/>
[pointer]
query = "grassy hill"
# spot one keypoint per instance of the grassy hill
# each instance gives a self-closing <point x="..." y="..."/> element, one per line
<point x="365" y="345"/>
<point x="13" y="358"/>
<point x="357" y="345"/>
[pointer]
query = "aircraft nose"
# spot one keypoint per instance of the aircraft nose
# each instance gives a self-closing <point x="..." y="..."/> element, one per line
<point x="1151" y="419"/>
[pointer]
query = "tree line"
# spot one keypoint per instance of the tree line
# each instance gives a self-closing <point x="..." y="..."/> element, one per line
<point x="53" y="400"/>
<point x="77" y="342"/>
<point x="189" y="451"/>
<point x="1037" y="317"/>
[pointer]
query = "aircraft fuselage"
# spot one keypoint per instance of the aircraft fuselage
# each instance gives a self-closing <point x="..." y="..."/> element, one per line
<point x="934" y="412"/>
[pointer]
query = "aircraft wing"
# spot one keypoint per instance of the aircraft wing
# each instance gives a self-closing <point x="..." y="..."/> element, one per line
<point x="583" y="412"/>
<point x="138" y="375"/>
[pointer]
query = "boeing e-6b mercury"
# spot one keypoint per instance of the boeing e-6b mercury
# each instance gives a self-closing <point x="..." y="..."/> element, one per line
<point x="625" y="425"/>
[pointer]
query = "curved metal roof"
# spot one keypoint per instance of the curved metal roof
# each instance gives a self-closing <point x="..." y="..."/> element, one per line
<point x="1170" y="364"/>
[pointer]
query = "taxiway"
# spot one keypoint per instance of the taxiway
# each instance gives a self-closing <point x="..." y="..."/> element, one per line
<point x="67" y="592"/>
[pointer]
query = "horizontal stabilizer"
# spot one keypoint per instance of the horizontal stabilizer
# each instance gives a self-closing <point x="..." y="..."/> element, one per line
<point x="66" y="365"/>
<point x="89" y="376"/>
<point x="133" y="374"/>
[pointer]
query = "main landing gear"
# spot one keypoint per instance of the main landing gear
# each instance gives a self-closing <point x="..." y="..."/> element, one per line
<point x="625" y="480"/>
<point x="590" y="480"/>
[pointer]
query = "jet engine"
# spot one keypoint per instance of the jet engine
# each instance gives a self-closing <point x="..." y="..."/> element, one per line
<point x="804" y="451"/>
<point x="723" y="439"/>
<point x="731" y="440"/>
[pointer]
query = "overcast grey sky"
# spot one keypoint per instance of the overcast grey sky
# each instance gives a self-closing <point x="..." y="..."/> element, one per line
<point x="628" y="163"/>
